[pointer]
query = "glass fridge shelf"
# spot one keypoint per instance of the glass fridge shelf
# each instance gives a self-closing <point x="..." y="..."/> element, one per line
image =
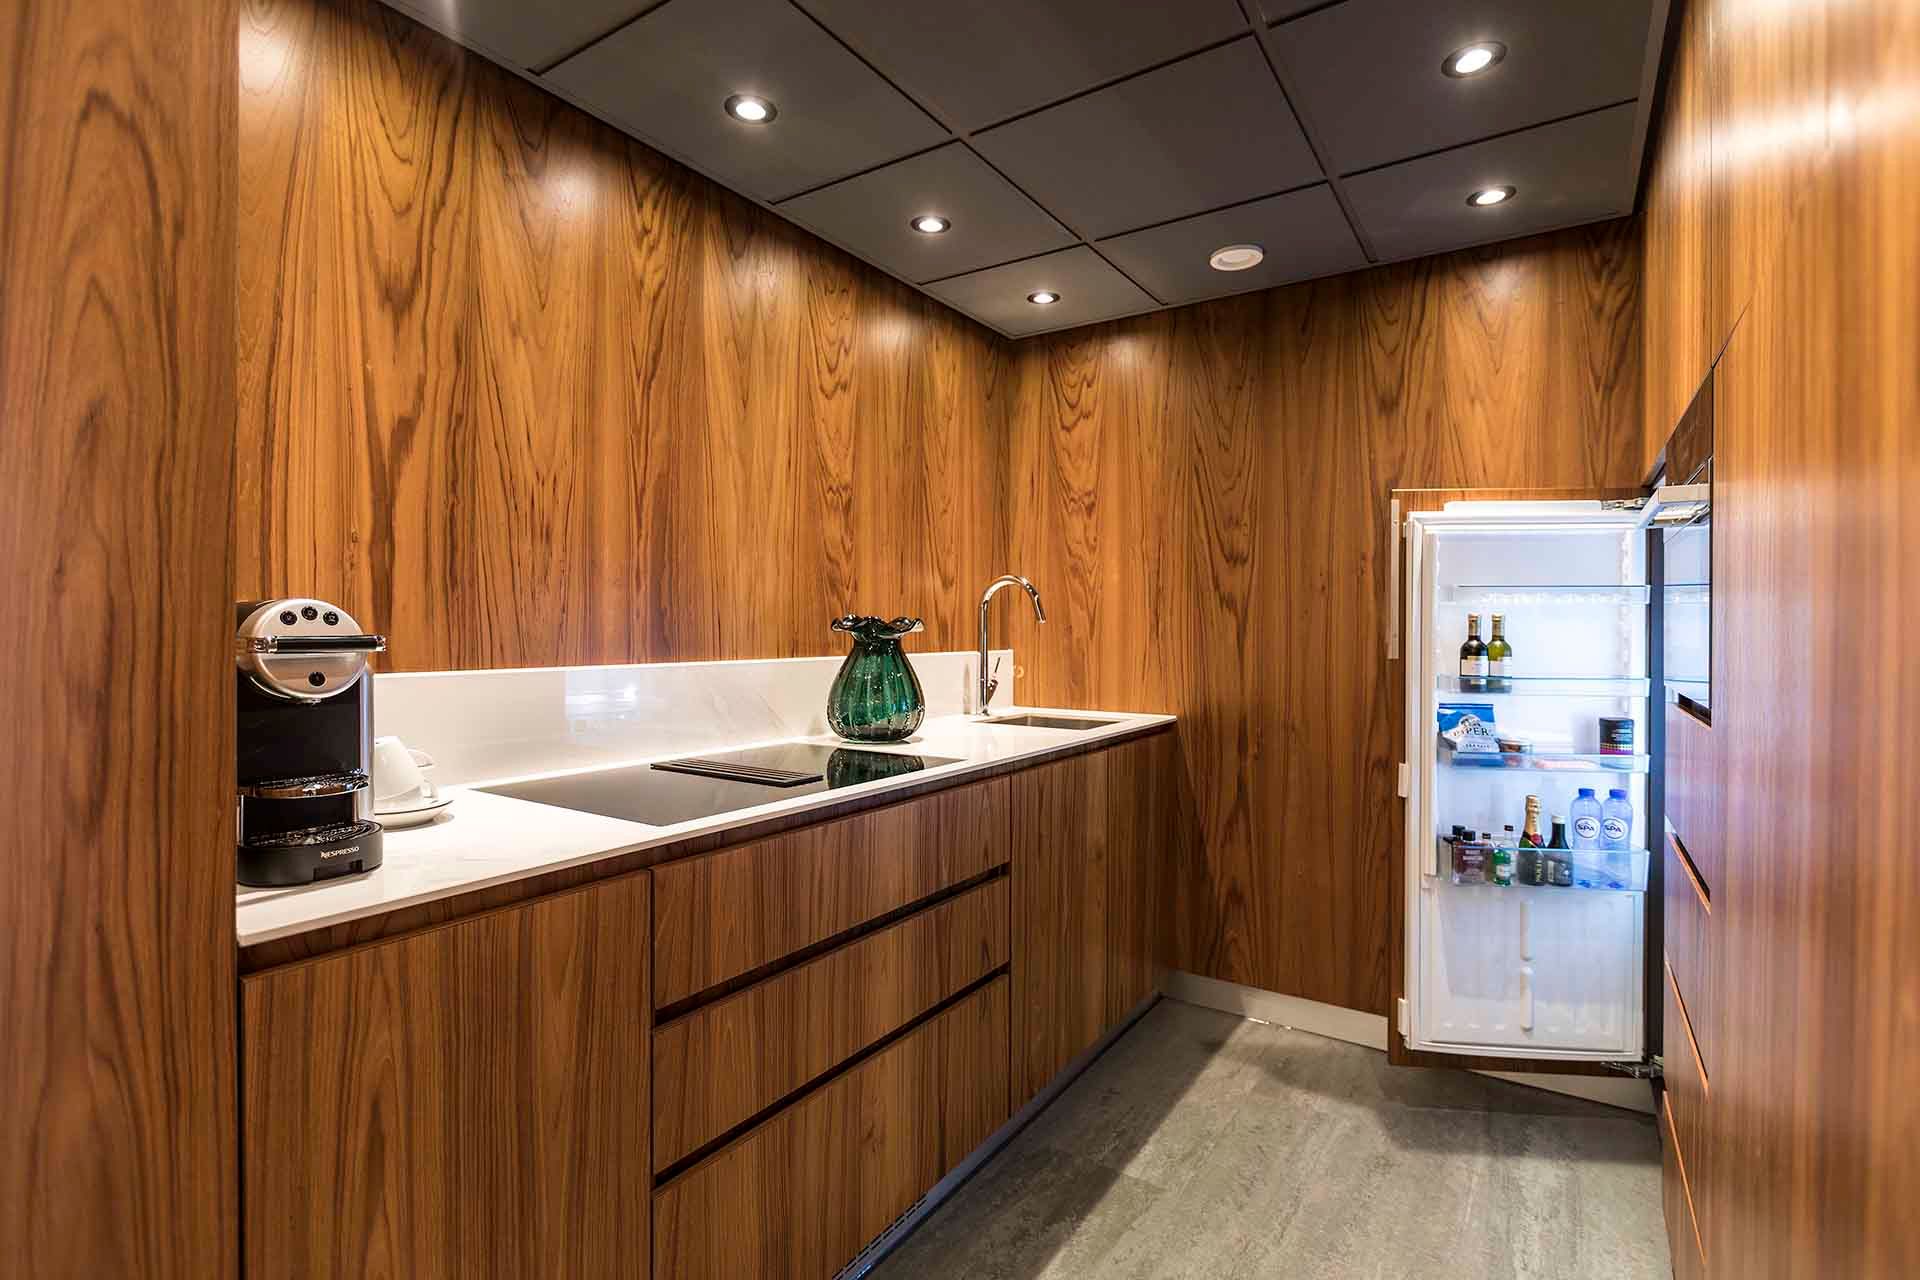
<point x="1602" y="870"/>
<point x="1553" y="686"/>
<point x="1544" y="761"/>
<point x="1606" y="594"/>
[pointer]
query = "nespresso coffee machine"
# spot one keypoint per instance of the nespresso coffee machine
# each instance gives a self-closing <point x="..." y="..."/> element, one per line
<point x="304" y="810"/>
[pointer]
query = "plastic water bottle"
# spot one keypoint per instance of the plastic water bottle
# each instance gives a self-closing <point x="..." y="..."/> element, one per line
<point x="1616" y="820"/>
<point x="1586" y="820"/>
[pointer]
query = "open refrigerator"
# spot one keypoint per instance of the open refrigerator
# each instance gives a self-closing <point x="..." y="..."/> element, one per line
<point x="1545" y="974"/>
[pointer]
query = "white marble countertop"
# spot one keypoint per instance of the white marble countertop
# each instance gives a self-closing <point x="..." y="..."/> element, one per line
<point x="485" y="839"/>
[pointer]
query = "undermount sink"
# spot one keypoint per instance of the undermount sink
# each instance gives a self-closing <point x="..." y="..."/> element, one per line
<point x="1047" y="722"/>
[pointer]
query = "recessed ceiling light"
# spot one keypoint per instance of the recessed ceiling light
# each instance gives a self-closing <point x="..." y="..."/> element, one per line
<point x="1236" y="257"/>
<point x="751" y="109"/>
<point x="1487" y="197"/>
<point x="931" y="224"/>
<point x="1473" y="59"/>
<point x="1043" y="297"/>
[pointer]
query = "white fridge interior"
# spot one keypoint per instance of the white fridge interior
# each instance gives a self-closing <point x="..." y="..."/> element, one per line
<point x="1526" y="970"/>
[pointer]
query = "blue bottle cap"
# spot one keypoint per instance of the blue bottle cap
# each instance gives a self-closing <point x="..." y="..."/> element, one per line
<point x="1587" y="793"/>
<point x="1617" y="793"/>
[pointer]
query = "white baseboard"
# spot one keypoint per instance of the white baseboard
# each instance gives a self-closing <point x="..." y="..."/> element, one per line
<point x="1370" y="1029"/>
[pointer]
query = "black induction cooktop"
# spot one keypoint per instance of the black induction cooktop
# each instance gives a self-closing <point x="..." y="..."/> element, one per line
<point x="693" y="787"/>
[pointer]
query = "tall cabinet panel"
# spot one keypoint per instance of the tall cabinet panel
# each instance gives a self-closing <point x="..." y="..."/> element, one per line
<point x="468" y="1101"/>
<point x="1678" y="342"/>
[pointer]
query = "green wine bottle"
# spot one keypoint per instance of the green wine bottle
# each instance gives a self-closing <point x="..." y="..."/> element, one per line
<point x="1499" y="679"/>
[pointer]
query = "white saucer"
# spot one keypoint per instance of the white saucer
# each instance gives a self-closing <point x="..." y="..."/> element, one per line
<point x="415" y="817"/>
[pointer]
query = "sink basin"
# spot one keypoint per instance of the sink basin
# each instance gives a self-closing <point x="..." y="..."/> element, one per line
<point x="1047" y="722"/>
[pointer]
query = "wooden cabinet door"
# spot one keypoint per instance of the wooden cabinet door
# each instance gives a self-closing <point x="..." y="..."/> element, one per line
<point x="1141" y="779"/>
<point x="468" y="1101"/>
<point x="1060" y="887"/>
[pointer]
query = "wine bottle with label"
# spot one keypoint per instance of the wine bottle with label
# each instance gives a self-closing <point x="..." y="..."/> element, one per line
<point x="1473" y="659"/>
<point x="1499" y="658"/>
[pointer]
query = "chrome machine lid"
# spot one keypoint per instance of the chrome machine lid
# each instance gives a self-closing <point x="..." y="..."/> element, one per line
<point x="302" y="649"/>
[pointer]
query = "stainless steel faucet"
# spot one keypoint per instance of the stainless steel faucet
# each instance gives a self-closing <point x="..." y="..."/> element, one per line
<point x="987" y="683"/>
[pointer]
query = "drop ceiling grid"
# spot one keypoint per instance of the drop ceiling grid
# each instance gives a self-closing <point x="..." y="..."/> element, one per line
<point x="1264" y="28"/>
<point x="1251" y="24"/>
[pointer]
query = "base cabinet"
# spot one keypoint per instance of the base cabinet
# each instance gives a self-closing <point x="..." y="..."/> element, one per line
<point x="470" y="1101"/>
<point x="798" y="1197"/>
<point x="1089" y="835"/>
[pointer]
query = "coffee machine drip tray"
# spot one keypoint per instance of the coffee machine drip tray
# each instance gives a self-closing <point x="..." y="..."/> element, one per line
<point x="686" y="790"/>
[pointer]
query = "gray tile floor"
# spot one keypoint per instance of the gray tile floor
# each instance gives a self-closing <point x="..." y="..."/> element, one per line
<point x="1205" y="1147"/>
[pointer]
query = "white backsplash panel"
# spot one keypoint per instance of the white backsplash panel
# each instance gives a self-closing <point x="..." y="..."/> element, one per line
<point x="491" y="725"/>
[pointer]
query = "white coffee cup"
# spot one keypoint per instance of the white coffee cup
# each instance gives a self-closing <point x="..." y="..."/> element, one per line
<point x="398" y="780"/>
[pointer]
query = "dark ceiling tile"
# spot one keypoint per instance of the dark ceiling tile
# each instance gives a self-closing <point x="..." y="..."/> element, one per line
<point x="665" y="78"/>
<point x="1089" y="290"/>
<point x="1574" y="171"/>
<point x="870" y="215"/>
<point x="1303" y="233"/>
<point x="525" y="35"/>
<point x="1275" y="10"/>
<point x="1208" y="130"/>
<point x="979" y="61"/>
<point x="1366" y="73"/>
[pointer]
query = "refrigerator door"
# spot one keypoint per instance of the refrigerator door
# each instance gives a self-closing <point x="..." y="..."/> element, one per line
<point x="1525" y="971"/>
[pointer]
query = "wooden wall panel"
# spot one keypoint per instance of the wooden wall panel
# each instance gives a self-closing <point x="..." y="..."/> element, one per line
<point x="468" y="1101"/>
<point x="116" y="426"/>
<point x="1202" y="495"/>
<point x="519" y="391"/>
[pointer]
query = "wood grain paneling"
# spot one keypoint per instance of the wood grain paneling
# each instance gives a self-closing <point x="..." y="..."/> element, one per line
<point x="1060" y="899"/>
<point x="798" y="1197"/>
<point x="519" y="391"/>
<point x="1687" y="927"/>
<point x="116" y="411"/>
<point x="1680" y="336"/>
<point x="467" y="1101"/>
<point x="1202" y="495"/>
<point x="1683" y="1234"/>
<point x="723" y="915"/>
<point x="723" y="1063"/>
<point x="1810" y="1164"/>
<point x="1696" y="782"/>
<point x="1141" y="797"/>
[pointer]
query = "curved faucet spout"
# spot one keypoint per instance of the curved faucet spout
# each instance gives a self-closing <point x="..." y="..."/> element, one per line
<point x="987" y="684"/>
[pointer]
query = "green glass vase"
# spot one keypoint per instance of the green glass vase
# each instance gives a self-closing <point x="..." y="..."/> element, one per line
<point x="876" y="697"/>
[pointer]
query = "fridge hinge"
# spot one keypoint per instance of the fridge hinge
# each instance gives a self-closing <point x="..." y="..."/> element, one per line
<point x="1650" y="1069"/>
<point x="1401" y="1018"/>
<point x="1405" y="781"/>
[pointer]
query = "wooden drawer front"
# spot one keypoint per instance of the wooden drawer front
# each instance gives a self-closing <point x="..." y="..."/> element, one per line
<point x="1694" y="792"/>
<point x="1689" y="940"/>
<point x="725" y="1062"/>
<point x="1683" y="1229"/>
<point x="728" y="913"/>
<point x="1687" y="1090"/>
<point x="799" y="1196"/>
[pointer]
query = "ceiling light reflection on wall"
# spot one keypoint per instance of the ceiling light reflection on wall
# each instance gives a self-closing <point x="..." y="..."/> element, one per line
<point x="1473" y="59"/>
<point x="1487" y="197"/>
<point x="931" y="224"/>
<point x="1236" y="257"/>
<point x="751" y="109"/>
<point x="1043" y="297"/>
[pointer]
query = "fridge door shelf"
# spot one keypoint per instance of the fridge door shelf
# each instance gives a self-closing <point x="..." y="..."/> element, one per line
<point x="1551" y="687"/>
<point x="1543" y="761"/>
<point x="1560" y="595"/>
<point x="1594" y="871"/>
